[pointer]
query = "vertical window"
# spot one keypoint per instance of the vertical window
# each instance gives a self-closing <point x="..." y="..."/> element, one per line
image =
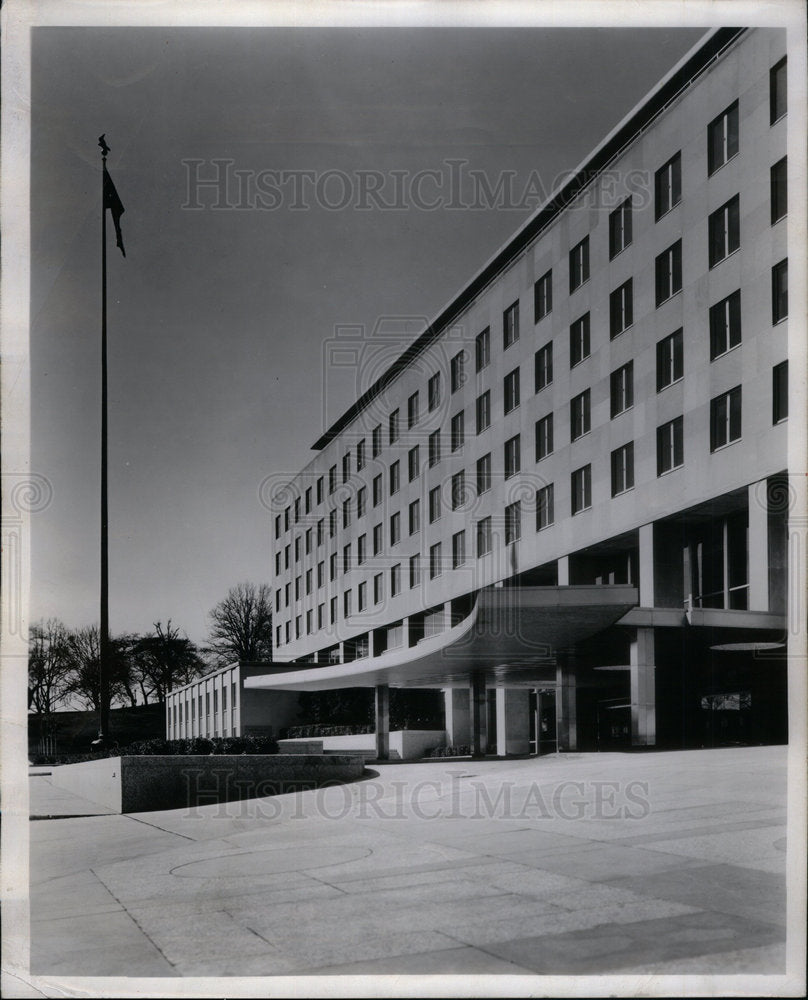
<point x="308" y="501"/>
<point x="395" y="478"/>
<point x="412" y="410"/>
<point x="413" y="464"/>
<point x="332" y="567"/>
<point x="457" y="376"/>
<point x="725" y="231"/>
<point x="544" y="507"/>
<point x="360" y="455"/>
<point x="777" y="91"/>
<point x="511" y="387"/>
<point x="620" y="229"/>
<point x="298" y="626"/>
<point x="378" y="538"/>
<point x="320" y="490"/>
<point x="415" y="517"/>
<point x="393" y="429"/>
<point x="725" y="325"/>
<point x="320" y="531"/>
<point x="320" y="574"/>
<point x="395" y="528"/>
<point x="433" y="392"/>
<point x="434" y="504"/>
<point x="434" y="561"/>
<point x="377" y="440"/>
<point x="483" y="474"/>
<point x="346" y="513"/>
<point x="277" y="525"/>
<point x="378" y="588"/>
<point x="483" y="411"/>
<point x="377" y="490"/>
<point x="332" y="610"/>
<point x="669" y="360"/>
<point x="320" y="616"/>
<point x="277" y="563"/>
<point x="346" y="604"/>
<point x="513" y="522"/>
<point x="332" y="479"/>
<point x="458" y="549"/>
<point x="543" y="296"/>
<point x="332" y="523"/>
<point x="308" y="540"/>
<point x="544" y="437"/>
<point x="458" y="431"/>
<point x="722" y="138"/>
<point x="780" y="392"/>
<point x="346" y="558"/>
<point x="510" y="326"/>
<point x="395" y="579"/>
<point x="483" y="536"/>
<point x="580" y="415"/>
<point x="581" y="489"/>
<point x="579" y="340"/>
<point x="668" y="186"/>
<point x="298" y="588"/>
<point x="434" y="448"/>
<point x="482" y="349"/>
<point x="621" y="308"/>
<point x="286" y="512"/>
<point x="287" y="594"/>
<point x="669" y="272"/>
<point x="415" y="570"/>
<point x="544" y="366"/>
<point x="286" y="553"/>
<point x="297" y="509"/>
<point x="346" y="466"/>
<point x="623" y="469"/>
<point x="309" y="622"/>
<point x="513" y="461"/>
<point x="361" y="549"/>
<point x="361" y="501"/>
<point x="779" y="190"/>
<point x="579" y="264"/>
<point x="288" y="635"/>
<point x="621" y="389"/>
<point x="725" y="418"/>
<point x="298" y="551"/>
<point x="458" y="489"/>
<point x="780" y="291"/>
<point x="361" y="596"/>
<point x="670" y="445"/>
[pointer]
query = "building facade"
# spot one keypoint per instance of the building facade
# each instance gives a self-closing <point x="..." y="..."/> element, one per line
<point x="566" y="502"/>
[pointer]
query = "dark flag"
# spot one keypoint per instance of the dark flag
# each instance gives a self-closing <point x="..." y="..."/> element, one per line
<point x="114" y="204"/>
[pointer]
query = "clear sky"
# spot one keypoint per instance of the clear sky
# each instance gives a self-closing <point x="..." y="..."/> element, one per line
<point x="218" y="317"/>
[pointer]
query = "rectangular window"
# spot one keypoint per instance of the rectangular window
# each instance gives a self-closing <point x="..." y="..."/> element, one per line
<point x="277" y="563"/>
<point x="346" y="604"/>
<point x="620" y="228"/>
<point x="579" y="340"/>
<point x="346" y="558"/>
<point x="725" y="231"/>
<point x="320" y="531"/>
<point x="297" y="509"/>
<point x="544" y="507"/>
<point x="412" y="410"/>
<point x="725" y="418"/>
<point x="513" y="522"/>
<point x="722" y="138"/>
<point x="298" y="626"/>
<point x="482" y="349"/>
<point x="433" y="392"/>
<point x="579" y="264"/>
<point x="458" y="549"/>
<point x="415" y="570"/>
<point x="510" y="326"/>
<point x="346" y="513"/>
<point x="309" y="623"/>
<point x="483" y="536"/>
<point x="309" y="581"/>
<point x="395" y="579"/>
<point x="286" y="513"/>
<point x="544" y="366"/>
<point x="434" y="561"/>
<point x="780" y="392"/>
<point x="287" y="594"/>
<point x="483" y="474"/>
<point x="298" y="588"/>
<point x="361" y="549"/>
<point x="320" y="574"/>
<point x="413" y="463"/>
<point x="670" y="446"/>
<point x="320" y="490"/>
<point x="669" y="273"/>
<point x="434" y="504"/>
<point x="511" y="388"/>
<point x="378" y="538"/>
<point x="377" y="490"/>
<point x="458" y="489"/>
<point x="580" y="415"/>
<point x="779" y="190"/>
<point x="308" y="540"/>
<point x="483" y="411"/>
<point x="377" y="440"/>
<point x="332" y="479"/>
<point x="544" y="437"/>
<point x="669" y="360"/>
<point x="307" y="505"/>
<point x="320" y="616"/>
<point x="346" y="466"/>
<point x="434" y="448"/>
<point x="623" y="469"/>
<point x="332" y="609"/>
<point x="361" y="501"/>
<point x="392" y="427"/>
<point x="287" y="632"/>
<point x="332" y="567"/>
<point x="668" y="186"/>
<point x="543" y="296"/>
<point x="395" y="478"/>
<point x="360" y="455"/>
<point x="332" y="523"/>
<point x="298" y="552"/>
<point x="415" y="516"/>
<point x="513" y="461"/>
<point x="458" y="431"/>
<point x="581" y="489"/>
<point x="378" y="588"/>
<point x="277" y="525"/>
<point x="621" y="389"/>
<point x="457" y="376"/>
<point x="286" y="553"/>
<point x="780" y="291"/>
<point x="395" y="528"/>
<point x="725" y="325"/>
<point x="777" y="91"/>
<point x="361" y="596"/>
<point x="621" y="308"/>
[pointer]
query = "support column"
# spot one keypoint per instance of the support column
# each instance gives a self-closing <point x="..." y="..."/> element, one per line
<point x="382" y="722"/>
<point x="643" y="689"/>
<point x="479" y="709"/>
<point x="458" y="716"/>
<point x="563" y="570"/>
<point x="758" y="556"/>
<point x="566" y="707"/>
<point x="646" y="569"/>
<point x="513" y="721"/>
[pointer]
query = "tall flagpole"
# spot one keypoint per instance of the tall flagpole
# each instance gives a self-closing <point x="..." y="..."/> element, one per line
<point x="103" y="720"/>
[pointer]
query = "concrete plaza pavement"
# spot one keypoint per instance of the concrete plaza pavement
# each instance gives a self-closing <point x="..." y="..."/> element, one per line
<point x="591" y="864"/>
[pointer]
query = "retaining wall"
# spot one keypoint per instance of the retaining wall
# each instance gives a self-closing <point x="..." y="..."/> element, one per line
<point x="405" y="744"/>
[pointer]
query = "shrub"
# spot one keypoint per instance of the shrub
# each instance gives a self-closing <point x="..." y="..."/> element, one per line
<point x="458" y="751"/>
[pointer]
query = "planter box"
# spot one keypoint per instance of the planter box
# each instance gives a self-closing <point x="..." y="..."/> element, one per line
<point x="140" y="784"/>
<point x="405" y="744"/>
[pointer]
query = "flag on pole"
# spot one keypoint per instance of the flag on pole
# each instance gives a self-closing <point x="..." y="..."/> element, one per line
<point x="114" y="204"/>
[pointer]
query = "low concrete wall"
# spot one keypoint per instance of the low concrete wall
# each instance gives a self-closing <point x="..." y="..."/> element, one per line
<point x="140" y="784"/>
<point x="405" y="744"/>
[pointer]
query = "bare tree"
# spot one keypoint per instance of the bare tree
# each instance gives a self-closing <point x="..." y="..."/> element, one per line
<point x="48" y="666"/>
<point x="83" y="651"/>
<point x="164" y="660"/>
<point x="241" y="626"/>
